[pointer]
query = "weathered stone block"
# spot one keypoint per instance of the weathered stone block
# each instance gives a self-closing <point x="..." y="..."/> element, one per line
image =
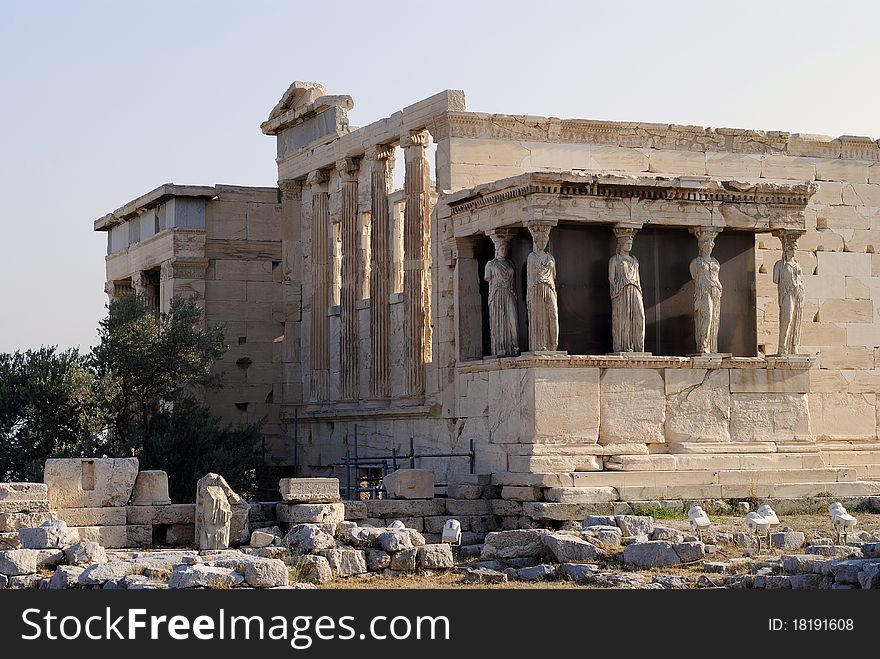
<point x="690" y="552"/>
<point x="310" y="513"/>
<point x="308" y="537"/>
<point x="89" y="483"/>
<point x="35" y="506"/>
<point x="346" y="562"/>
<point x="318" y="570"/>
<point x="405" y="561"/>
<point x="15" y="562"/>
<point x="110" y="537"/>
<point x="654" y="553"/>
<point x="397" y="508"/>
<point x="66" y="576"/>
<point x="769" y="417"/>
<point x="787" y="540"/>
<point x="309" y="490"/>
<point x="53" y="534"/>
<point x="570" y="549"/>
<point x="697" y="405"/>
<point x="410" y="484"/>
<point x="83" y="553"/>
<point x="178" y="513"/>
<point x="10" y="522"/>
<point x="355" y="510"/>
<point x="435" y="557"/>
<point x="633" y="406"/>
<point x="23" y="492"/>
<point x="266" y="573"/>
<point x="204" y="576"/>
<point x="110" y="516"/>
<point x="563" y="511"/>
<point x="514" y="544"/>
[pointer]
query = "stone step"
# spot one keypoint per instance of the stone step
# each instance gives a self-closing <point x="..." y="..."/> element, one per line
<point x="744" y="491"/>
<point x="851" y="458"/>
<point x="670" y="462"/>
<point x="710" y="477"/>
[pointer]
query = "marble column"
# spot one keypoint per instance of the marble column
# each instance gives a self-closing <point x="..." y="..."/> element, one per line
<point x="320" y="349"/>
<point x="416" y="238"/>
<point x="351" y="277"/>
<point x="788" y="277"/>
<point x="381" y="164"/>
<point x="467" y="300"/>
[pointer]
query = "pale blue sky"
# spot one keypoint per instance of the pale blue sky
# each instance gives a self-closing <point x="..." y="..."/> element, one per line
<point x="102" y="101"/>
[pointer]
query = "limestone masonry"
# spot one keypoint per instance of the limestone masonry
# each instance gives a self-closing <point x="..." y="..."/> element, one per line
<point x="595" y="305"/>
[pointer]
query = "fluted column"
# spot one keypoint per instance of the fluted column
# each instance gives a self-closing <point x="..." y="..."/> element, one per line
<point x="416" y="238"/>
<point x="351" y="276"/>
<point x="320" y="350"/>
<point x="382" y="162"/>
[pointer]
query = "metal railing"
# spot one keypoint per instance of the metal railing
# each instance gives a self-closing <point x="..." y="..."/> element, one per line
<point x="366" y="474"/>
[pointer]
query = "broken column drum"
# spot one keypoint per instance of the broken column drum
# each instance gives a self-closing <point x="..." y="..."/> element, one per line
<point x="541" y="299"/>
<point x="627" y="308"/>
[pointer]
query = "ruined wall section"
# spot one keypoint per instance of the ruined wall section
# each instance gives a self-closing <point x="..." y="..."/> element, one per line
<point x="242" y="289"/>
<point x="842" y="272"/>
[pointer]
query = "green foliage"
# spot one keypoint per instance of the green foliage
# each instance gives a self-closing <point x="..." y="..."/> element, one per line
<point x="136" y="394"/>
<point x="187" y="441"/>
<point x="51" y="404"/>
<point x="154" y="363"/>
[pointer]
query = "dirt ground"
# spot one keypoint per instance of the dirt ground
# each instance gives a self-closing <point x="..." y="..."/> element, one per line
<point x="813" y="526"/>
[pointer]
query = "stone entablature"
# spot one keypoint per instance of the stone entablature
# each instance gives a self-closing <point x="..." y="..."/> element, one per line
<point x="478" y="125"/>
<point x="685" y="201"/>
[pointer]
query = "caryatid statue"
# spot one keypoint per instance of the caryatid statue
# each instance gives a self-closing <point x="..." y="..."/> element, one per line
<point x="706" y="271"/>
<point x="501" y="275"/>
<point x="627" y="308"/>
<point x="541" y="293"/>
<point x="788" y="277"/>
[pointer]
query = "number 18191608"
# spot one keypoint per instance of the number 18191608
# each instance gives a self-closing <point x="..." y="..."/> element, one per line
<point x="811" y="624"/>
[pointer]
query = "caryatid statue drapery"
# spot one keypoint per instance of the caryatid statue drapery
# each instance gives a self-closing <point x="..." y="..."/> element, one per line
<point x="627" y="308"/>
<point x="706" y="272"/>
<point x="788" y="277"/>
<point x="541" y="293"/>
<point x="501" y="275"/>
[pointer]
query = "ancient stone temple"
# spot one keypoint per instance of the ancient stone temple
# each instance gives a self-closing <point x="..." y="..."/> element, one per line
<point x="608" y="310"/>
<point x="221" y="244"/>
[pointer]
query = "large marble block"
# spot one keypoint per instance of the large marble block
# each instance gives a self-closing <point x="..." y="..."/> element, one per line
<point x="633" y="406"/>
<point x="774" y="417"/>
<point x="544" y="405"/>
<point x="697" y="405"/>
<point x="89" y="483"/>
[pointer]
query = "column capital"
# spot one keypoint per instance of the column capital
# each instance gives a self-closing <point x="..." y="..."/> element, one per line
<point x="502" y="233"/>
<point x="348" y="167"/>
<point x="415" y="140"/>
<point x="704" y="233"/>
<point x="464" y="247"/>
<point x="626" y="229"/>
<point x="291" y="189"/>
<point x="317" y="177"/>
<point x="789" y="234"/>
<point x="380" y="152"/>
